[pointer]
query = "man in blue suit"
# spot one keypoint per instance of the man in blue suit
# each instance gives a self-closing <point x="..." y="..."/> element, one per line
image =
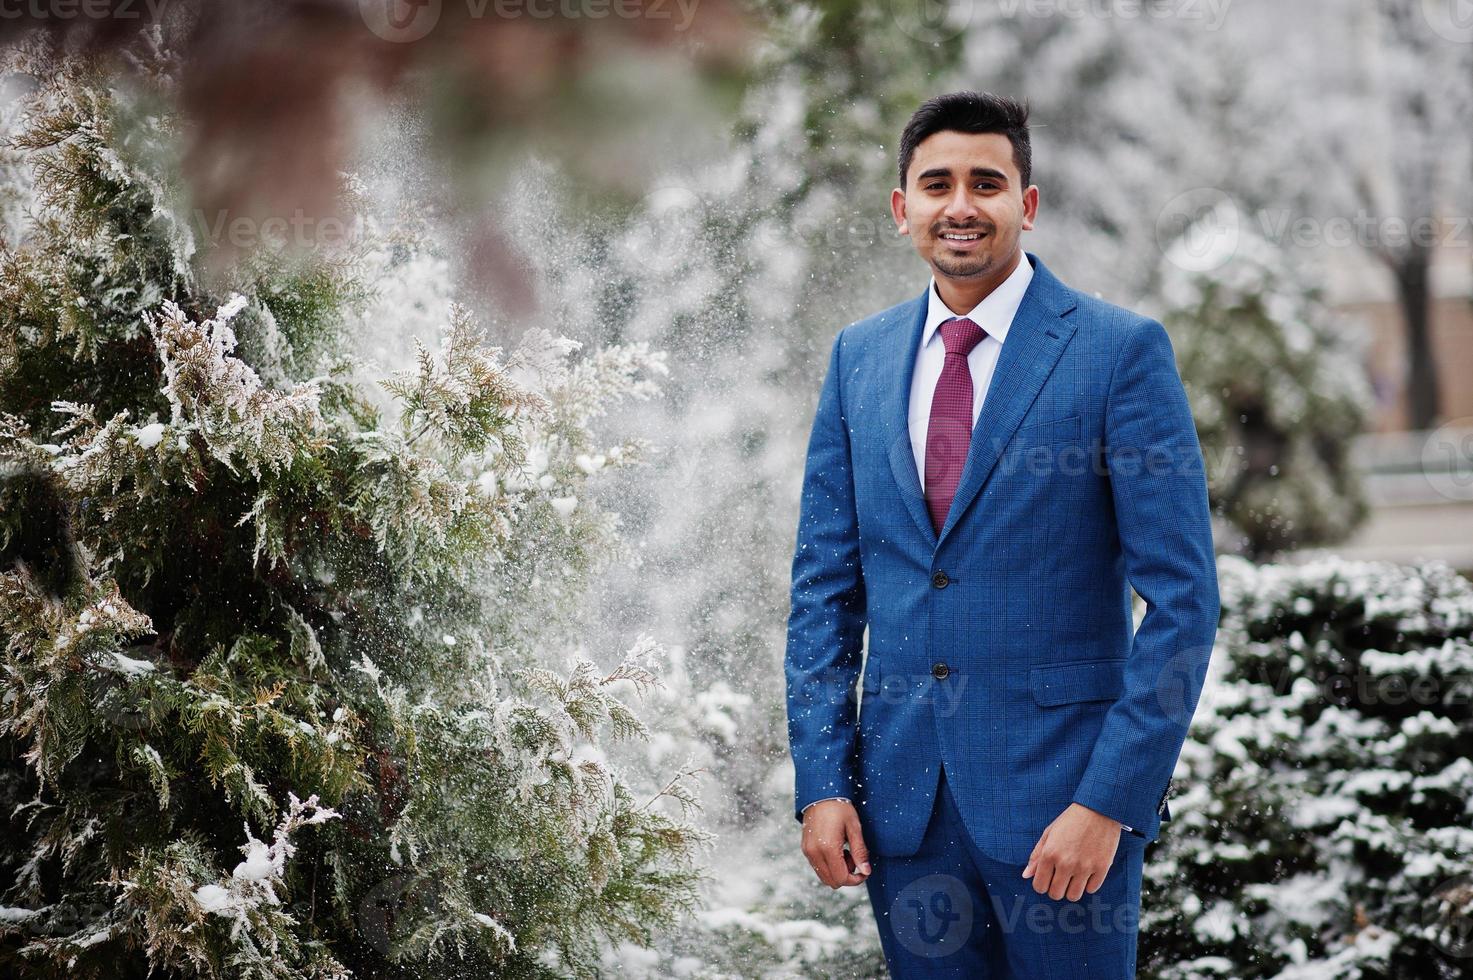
<point x="993" y="465"/>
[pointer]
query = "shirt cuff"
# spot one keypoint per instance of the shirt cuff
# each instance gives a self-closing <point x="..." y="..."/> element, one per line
<point x="826" y="798"/>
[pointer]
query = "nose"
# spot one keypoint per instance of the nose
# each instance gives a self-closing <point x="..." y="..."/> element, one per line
<point x="960" y="208"/>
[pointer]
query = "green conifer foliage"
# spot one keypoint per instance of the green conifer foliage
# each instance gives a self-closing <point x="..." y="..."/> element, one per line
<point x="281" y="694"/>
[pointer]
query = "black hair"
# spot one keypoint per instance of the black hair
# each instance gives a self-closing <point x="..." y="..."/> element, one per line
<point x="970" y="112"/>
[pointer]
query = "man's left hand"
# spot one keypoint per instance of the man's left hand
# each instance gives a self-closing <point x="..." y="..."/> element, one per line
<point x="1074" y="853"/>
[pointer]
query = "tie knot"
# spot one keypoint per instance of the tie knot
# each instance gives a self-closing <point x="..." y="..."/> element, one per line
<point x="960" y="335"/>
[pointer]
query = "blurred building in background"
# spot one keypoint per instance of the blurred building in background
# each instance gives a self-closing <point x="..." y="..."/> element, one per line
<point x="1419" y="482"/>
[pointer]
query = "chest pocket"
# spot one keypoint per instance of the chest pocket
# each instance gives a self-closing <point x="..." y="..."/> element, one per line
<point x="1056" y="432"/>
<point x="1043" y="449"/>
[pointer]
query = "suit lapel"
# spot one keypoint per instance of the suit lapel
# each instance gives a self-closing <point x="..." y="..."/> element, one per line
<point x="904" y="344"/>
<point x="1038" y="335"/>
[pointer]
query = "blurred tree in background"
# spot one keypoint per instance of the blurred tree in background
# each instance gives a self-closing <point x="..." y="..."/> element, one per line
<point x="270" y="93"/>
<point x="1278" y="391"/>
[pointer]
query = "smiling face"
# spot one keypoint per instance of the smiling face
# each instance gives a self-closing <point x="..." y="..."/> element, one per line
<point x="965" y="210"/>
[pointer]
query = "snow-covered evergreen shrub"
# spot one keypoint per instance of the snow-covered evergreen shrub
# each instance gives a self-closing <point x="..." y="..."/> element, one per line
<point x="234" y="591"/>
<point x="1325" y="822"/>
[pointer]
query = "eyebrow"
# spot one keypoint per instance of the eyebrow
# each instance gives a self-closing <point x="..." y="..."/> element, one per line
<point x="926" y="175"/>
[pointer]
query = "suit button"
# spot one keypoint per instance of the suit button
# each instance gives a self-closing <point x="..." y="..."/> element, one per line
<point x="940" y="671"/>
<point x="939" y="580"/>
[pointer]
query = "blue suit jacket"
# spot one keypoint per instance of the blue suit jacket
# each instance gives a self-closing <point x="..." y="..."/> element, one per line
<point x="1002" y="647"/>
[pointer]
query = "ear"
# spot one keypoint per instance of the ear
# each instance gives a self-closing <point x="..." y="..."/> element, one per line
<point x="897" y="210"/>
<point x="1030" y="206"/>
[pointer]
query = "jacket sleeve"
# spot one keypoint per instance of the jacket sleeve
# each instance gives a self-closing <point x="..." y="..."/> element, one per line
<point x="1158" y="483"/>
<point x="827" y="619"/>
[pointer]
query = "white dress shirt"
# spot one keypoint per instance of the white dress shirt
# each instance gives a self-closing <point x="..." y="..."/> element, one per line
<point x="994" y="315"/>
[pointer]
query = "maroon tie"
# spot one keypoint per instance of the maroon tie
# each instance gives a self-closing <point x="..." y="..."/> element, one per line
<point x="949" y="433"/>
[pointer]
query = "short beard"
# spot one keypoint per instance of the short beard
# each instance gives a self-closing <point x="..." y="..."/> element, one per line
<point x="963" y="272"/>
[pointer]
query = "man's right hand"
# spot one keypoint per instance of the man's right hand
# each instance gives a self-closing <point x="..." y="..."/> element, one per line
<point x="827" y="826"/>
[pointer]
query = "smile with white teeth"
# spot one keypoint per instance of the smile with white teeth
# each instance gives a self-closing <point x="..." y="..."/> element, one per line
<point x="957" y="236"/>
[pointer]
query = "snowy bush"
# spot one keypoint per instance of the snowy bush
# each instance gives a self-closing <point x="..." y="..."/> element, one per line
<point x="1324" y="828"/>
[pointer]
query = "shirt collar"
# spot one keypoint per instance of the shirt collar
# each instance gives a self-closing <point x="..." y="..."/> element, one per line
<point x="996" y="311"/>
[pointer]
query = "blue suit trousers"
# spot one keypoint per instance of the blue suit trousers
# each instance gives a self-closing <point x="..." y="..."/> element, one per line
<point x="951" y="911"/>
